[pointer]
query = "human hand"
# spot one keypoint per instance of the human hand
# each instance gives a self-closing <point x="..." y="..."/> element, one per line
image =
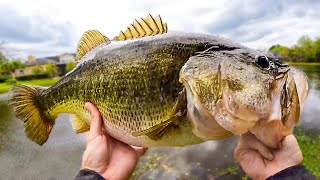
<point x="260" y="162"/>
<point x="107" y="156"/>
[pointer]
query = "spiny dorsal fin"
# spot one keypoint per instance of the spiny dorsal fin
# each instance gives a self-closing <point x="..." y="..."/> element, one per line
<point x="148" y="26"/>
<point x="89" y="40"/>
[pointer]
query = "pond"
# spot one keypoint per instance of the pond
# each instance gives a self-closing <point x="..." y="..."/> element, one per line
<point x="60" y="157"/>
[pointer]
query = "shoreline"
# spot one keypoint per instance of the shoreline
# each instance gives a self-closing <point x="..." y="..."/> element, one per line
<point x="304" y="63"/>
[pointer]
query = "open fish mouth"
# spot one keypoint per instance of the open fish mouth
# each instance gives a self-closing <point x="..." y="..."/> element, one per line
<point x="288" y="96"/>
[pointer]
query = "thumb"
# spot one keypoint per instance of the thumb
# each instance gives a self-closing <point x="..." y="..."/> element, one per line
<point x="95" y="122"/>
<point x="140" y="150"/>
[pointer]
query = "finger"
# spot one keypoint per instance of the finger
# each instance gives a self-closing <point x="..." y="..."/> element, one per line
<point x="251" y="142"/>
<point x="290" y="140"/>
<point x="140" y="150"/>
<point x="96" y="120"/>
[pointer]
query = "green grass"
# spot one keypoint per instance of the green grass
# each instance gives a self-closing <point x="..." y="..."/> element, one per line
<point x="4" y="87"/>
<point x="304" y="63"/>
<point x="310" y="146"/>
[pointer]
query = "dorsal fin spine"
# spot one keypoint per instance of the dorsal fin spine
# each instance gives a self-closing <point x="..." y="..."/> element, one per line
<point x="134" y="31"/>
<point x="148" y="33"/>
<point x="141" y="31"/>
<point x="148" y="26"/>
<point x="159" y="24"/>
<point x="152" y="24"/>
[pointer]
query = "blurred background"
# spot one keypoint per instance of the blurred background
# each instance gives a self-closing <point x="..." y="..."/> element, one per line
<point x="38" y="40"/>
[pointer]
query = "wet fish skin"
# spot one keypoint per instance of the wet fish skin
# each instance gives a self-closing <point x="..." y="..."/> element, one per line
<point x="138" y="85"/>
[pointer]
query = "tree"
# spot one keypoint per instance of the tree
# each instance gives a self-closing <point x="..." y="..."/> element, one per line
<point x="2" y="52"/>
<point x="71" y="65"/>
<point x="37" y="70"/>
<point x="51" y="69"/>
<point x="11" y="66"/>
<point x="306" y="48"/>
<point x="281" y="51"/>
<point x="317" y="49"/>
<point x="3" y="59"/>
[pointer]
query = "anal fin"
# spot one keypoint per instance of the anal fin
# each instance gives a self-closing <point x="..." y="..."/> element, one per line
<point x="79" y="125"/>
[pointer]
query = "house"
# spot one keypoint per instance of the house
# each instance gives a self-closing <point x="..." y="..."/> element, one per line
<point x="60" y="61"/>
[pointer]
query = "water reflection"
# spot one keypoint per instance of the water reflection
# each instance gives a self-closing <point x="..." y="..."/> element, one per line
<point x="60" y="157"/>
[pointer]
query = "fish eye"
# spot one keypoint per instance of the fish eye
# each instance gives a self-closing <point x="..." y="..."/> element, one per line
<point x="263" y="61"/>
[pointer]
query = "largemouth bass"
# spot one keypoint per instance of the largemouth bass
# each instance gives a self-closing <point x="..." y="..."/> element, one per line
<point x="155" y="88"/>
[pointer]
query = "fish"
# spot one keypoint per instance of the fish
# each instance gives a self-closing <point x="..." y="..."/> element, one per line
<point x="159" y="88"/>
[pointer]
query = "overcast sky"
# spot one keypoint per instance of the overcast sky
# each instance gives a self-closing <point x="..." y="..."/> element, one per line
<point x="52" y="27"/>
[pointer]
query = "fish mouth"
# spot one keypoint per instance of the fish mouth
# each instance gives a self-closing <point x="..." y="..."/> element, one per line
<point x="288" y="96"/>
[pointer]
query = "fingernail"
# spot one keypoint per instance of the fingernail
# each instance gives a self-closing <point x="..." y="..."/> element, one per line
<point x="270" y="156"/>
<point x="87" y="105"/>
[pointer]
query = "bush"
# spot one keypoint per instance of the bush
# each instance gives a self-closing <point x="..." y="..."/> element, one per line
<point x="71" y="65"/>
<point x="3" y="79"/>
<point x="33" y="76"/>
<point x="51" y="69"/>
<point x="36" y="70"/>
<point x="11" y="81"/>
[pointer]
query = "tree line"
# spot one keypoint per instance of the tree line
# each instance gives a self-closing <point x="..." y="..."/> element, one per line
<point x="306" y="50"/>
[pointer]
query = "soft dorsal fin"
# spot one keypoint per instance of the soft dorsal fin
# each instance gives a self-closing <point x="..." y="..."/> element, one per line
<point x="148" y="26"/>
<point x="89" y="40"/>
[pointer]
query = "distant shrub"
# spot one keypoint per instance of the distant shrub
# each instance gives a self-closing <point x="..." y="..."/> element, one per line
<point x="71" y="65"/>
<point x="33" y="76"/>
<point x="51" y="69"/>
<point x="11" y="81"/>
<point x="36" y="70"/>
<point x="3" y="79"/>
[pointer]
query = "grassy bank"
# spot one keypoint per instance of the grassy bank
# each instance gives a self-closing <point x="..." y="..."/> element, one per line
<point x="4" y="87"/>
<point x="304" y="63"/>
<point x="310" y="146"/>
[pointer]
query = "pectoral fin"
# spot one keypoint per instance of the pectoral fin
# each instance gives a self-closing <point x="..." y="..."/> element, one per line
<point x="157" y="131"/>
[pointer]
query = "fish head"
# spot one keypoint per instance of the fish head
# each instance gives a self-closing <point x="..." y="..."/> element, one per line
<point x="288" y="97"/>
<point x="244" y="91"/>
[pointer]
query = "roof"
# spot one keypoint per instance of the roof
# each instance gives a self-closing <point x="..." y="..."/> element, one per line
<point x="48" y="60"/>
<point x="42" y="61"/>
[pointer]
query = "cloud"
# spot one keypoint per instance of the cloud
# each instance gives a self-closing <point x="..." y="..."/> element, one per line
<point x="261" y="24"/>
<point x="34" y="31"/>
<point x="55" y="26"/>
